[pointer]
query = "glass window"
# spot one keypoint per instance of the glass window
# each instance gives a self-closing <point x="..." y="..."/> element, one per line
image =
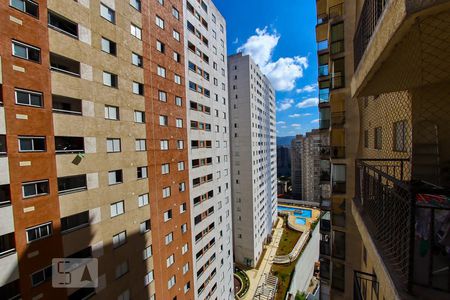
<point x="26" y="51"/>
<point x="136" y="4"/>
<point x="136" y="60"/>
<point x="107" y="13"/>
<point x="27" y="6"/>
<point x="109" y="46"/>
<point x="117" y="209"/>
<point x="136" y="31"/>
<point x="25" y="97"/>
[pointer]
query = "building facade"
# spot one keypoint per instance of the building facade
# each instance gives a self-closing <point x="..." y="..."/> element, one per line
<point x="253" y="160"/>
<point x="209" y="149"/>
<point x="384" y="103"/>
<point x="283" y="161"/>
<point x="296" y="165"/>
<point x="93" y="148"/>
<point x="311" y="166"/>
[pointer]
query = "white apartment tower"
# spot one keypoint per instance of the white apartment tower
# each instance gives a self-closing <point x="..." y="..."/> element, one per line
<point x="209" y="149"/>
<point x="253" y="157"/>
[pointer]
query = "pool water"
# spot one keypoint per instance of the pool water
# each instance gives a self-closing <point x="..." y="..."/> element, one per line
<point x="304" y="213"/>
<point x="300" y="221"/>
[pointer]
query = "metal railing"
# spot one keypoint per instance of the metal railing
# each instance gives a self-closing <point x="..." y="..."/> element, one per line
<point x="368" y="20"/>
<point x="365" y="286"/>
<point x="331" y="152"/>
<point x="337" y="47"/>
<point x="337" y="80"/>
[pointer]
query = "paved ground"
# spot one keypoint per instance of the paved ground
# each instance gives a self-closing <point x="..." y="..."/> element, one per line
<point x="255" y="275"/>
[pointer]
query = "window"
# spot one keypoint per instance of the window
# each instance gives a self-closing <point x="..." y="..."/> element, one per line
<point x="137" y="60"/>
<point x="136" y="4"/>
<point x="7" y="243"/>
<point x="41" y="276"/>
<point x="176" y="35"/>
<point x="185" y="268"/>
<point x="109" y="46"/>
<point x="179" y="123"/>
<point x="144" y="226"/>
<point x="109" y="79"/>
<point x="159" y="22"/>
<point x="142" y="200"/>
<point x="175" y="13"/>
<point x="178" y="101"/>
<point x="64" y="65"/>
<point x="119" y="239"/>
<point x="2" y="145"/>
<point x="168" y="238"/>
<point x="400" y="136"/>
<point x="160" y="46"/>
<point x="62" y="104"/>
<point x="181" y="166"/>
<point x="378" y="138"/>
<point x="184" y="228"/>
<point x="139" y="116"/>
<point x="180" y="144"/>
<point x="141" y="172"/>
<point x="171" y="282"/>
<point x="162" y="96"/>
<point x="117" y="208"/>
<point x="165" y="169"/>
<point x="148" y="278"/>
<point x="75" y="221"/>
<point x="166" y="192"/>
<point x="70" y="184"/>
<point x="183" y="208"/>
<point x="111" y="112"/>
<point x="31" y="144"/>
<point x="167" y="215"/>
<point x="184" y="249"/>
<point x="138" y="88"/>
<point x="164" y="144"/>
<point x="107" y="13"/>
<point x="125" y="295"/>
<point x="69" y="144"/>
<point x="176" y="56"/>
<point x="163" y="120"/>
<point x="62" y="24"/>
<point x="112" y="145"/>
<point x="181" y="186"/>
<point x="187" y="287"/>
<point x="170" y="260"/>
<point x="35" y="188"/>
<point x="115" y="177"/>
<point x="147" y="252"/>
<point x="29" y="98"/>
<point x="39" y="232"/>
<point x="27" y="6"/>
<point x="26" y="51"/>
<point x="177" y="79"/>
<point x="161" y="71"/>
<point x="161" y="2"/>
<point x="136" y="31"/>
<point x="140" y="145"/>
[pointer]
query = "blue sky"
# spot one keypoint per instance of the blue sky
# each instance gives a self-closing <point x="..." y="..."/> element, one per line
<point x="280" y="36"/>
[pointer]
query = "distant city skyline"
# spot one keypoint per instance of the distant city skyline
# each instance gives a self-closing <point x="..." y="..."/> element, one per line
<point x="280" y="37"/>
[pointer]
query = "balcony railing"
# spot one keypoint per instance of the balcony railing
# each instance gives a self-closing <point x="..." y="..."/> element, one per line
<point x="337" y="80"/>
<point x="365" y="286"/>
<point x="405" y="220"/>
<point x="331" y="152"/>
<point x="322" y="18"/>
<point x="336" y="11"/>
<point x="324" y="123"/>
<point x="325" y="248"/>
<point x="337" y="119"/>
<point x="337" y="47"/>
<point x="324" y="96"/>
<point x="368" y="20"/>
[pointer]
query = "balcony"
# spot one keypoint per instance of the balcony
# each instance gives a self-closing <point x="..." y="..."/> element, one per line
<point x="325" y="223"/>
<point x="324" y="123"/>
<point x="334" y="152"/>
<point x="322" y="19"/>
<point x="404" y="221"/>
<point x="324" y="96"/>
<point x="325" y="248"/>
<point x="336" y="11"/>
<point x="365" y="286"/>
<point x="337" y="119"/>
<point x="337" y="80"/>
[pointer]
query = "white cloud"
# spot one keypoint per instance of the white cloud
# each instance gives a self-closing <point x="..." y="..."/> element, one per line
<point x="296" y="125"/>
<point x="315" y="121"/>
<point x="299" y="115"/>
<point x="308" y="102"/>
<point x="284" y="126"/>
<point x="307" y="88"/>
<point x="281" y="122"/>
<point x="282" y="73"/>
<point x="285" y="104"/>
<point x="236" y="41"/>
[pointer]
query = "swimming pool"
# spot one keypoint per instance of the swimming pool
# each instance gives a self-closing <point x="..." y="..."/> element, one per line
<point x="300" y="221"/>
<point x="304" y="213"/>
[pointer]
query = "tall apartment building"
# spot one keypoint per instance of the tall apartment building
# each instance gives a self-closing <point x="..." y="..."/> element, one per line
<point x="93" y="146"/>
<point x="311" y="166"/>
<point x="384" y="230"/>
<point x="209" y="150"/>
<point x="253" y="149"/>
<point x="296" y="165"/>
<point x="283" y="161"/>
